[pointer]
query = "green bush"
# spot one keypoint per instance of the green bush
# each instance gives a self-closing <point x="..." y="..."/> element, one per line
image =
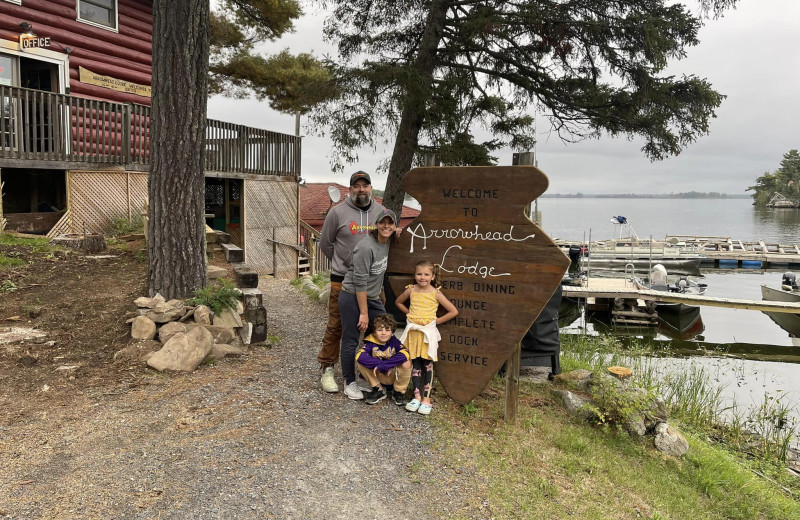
<point x="123" y="226"/>
<point x="218" y="297"/>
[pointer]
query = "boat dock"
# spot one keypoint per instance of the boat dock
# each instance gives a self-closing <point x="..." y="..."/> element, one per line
<point x="613" y="288"/>
<point x="722" y="251"/>
<point x="713" y="251"/>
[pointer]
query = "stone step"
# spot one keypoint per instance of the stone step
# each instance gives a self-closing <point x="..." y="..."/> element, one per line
<point x="215" y="272"/>
<point x="233" y="253"/>
<point x="245" y="277"/>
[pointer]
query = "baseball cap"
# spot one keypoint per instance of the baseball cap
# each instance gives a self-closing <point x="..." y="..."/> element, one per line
<point x="386" y="213"/>
<point x="360" y="175"/>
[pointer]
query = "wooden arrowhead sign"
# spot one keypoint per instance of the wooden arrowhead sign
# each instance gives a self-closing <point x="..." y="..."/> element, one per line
<point x="497" y="267"/>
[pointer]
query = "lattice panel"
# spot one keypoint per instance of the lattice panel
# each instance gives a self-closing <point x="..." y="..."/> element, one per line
<point x="271" y="205"/>
<point x="138" y="194"/>
<point x="62" y="227"/>
<point x="98" y="197"/>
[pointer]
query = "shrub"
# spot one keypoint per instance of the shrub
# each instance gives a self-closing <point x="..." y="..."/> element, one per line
<point x="123" y="226"/>
<point x="219" y="297"/>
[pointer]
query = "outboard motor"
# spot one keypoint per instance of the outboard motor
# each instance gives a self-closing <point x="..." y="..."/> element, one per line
<point x="789" y="282"/>
<point x="658" y="278"/>
<point x="574" y="254"/>
<point x="682" y="284"/>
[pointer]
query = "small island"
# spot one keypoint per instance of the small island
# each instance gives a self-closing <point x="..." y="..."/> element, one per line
<point x="781" y="188"/>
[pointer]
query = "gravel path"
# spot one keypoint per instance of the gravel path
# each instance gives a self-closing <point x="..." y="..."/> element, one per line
<point x="248" y="438"/>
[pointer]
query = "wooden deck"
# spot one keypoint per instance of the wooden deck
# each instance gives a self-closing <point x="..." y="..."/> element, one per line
<point x="619" y="288"/>
<point x="59" y="131"/>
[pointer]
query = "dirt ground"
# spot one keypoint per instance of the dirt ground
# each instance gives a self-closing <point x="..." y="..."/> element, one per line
<point x="83" y="435"/>
<point x="76" y="301"/>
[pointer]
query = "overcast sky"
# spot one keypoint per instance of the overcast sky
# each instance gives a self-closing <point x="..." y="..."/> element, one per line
<point x="748" y="55"/>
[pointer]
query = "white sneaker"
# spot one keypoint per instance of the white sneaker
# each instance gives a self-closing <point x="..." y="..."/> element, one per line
<point x="363" y="385"/>
<point x="352" y="391"/>
<point x="328" y="382"/>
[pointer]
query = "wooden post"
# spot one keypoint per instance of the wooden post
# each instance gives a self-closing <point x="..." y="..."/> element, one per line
<point x="274" y="255"/>
<point x="128" y="192"/>
<point x="512" y="383"/>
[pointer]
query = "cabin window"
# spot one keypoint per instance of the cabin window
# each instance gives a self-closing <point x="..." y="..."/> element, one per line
<point x="98" y="12"/>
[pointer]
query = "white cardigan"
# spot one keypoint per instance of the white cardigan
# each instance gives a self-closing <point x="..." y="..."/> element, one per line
<point x="432" y="337"/>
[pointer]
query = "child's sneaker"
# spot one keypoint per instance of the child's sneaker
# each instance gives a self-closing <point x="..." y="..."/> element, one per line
<point x="424" y="409"/>
<point x="413" y="405"/>
<point x="399" y="398"/>
<point x="376" y="395"/>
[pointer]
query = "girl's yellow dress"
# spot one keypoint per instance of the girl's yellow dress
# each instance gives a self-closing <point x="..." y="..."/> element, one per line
<point x="421" y="310"/>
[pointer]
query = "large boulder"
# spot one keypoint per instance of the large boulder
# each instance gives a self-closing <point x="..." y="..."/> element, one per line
<point x="575" y="403"/>
<point x="227" y="318"/>
<point x="184" y="351"/>
<point x="143" y="328"/>
<point x="670" y="441"/>
<point x="220" y="334"/>
<point x="223" y="350"/>
<point x="168" y="330"/>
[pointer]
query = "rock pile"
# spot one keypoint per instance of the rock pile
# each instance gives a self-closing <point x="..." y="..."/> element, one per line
<point x="169" y="335"/>
<point x="608" y="398"/>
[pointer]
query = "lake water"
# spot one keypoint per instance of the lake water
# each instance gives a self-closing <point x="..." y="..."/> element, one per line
<point x="572" y="219"/>
<point x="747" y="352"/>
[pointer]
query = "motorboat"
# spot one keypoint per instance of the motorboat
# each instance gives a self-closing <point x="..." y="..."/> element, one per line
<point x="658" y="280"/>
<point x="788" y="292"/>
<point x="684" y="325"/>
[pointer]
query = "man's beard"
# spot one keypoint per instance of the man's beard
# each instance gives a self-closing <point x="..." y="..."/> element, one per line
<point x="362" y="200"/>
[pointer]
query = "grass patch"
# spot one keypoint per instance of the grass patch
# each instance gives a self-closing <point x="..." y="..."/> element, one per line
<point x="319" y="280"/>
<point x="551" y="465"/>
<point x="7" y="262"/>
<point x="37" y="245"/>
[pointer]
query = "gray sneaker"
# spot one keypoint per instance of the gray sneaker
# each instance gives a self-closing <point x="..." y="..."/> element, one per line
<point x="328" y="382"/>
<point x="363" y="385"/>
<point x="352" y="391"/>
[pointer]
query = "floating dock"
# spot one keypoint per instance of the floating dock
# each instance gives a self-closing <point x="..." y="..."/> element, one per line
<point x="612" y="288"/>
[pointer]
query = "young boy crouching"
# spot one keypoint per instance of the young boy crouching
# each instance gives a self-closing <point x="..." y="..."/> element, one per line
<point x="384" y="361"/>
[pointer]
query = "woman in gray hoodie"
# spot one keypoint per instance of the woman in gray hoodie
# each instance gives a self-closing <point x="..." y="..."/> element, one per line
<point x="360" y="299"/>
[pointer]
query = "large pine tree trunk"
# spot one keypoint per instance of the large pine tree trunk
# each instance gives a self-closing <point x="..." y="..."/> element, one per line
<point x="176" y="188"/>
<point x="413" y="115"/>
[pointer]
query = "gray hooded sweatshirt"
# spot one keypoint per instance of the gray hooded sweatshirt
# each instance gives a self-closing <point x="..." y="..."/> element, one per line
<point x="344" y="227"/>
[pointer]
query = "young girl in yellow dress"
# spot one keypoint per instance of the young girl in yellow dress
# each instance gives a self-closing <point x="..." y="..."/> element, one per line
<point x="421" y="336"/>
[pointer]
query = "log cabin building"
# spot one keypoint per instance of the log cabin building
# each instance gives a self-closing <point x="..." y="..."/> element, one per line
<point x="75" y="80"/>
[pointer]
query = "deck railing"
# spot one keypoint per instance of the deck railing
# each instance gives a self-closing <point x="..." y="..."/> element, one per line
<point x="309" y="242"/>
<point x="45" y="126"/>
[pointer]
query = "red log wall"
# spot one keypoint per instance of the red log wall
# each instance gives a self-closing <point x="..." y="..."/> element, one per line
<point x="123" y="55"/>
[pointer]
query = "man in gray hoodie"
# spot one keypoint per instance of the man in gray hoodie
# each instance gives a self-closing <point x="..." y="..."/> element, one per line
<point x="345" y="225"/>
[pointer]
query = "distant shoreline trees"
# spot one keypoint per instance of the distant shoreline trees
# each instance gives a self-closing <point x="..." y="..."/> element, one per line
<point x="785" y="180"/>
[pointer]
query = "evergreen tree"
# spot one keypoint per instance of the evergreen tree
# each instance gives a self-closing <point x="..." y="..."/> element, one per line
<point x="426" y="72"/>
<point x="785" y="180"/>
<point x="292" y="83"/>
